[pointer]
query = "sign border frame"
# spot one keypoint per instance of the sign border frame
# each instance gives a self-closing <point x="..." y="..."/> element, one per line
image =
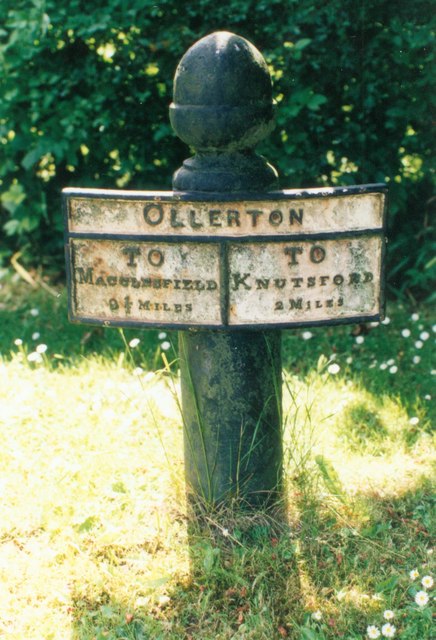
<point x="224" y="241"/>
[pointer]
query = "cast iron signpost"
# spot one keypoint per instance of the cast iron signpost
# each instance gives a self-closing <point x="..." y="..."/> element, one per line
<point x="229" y="258"/>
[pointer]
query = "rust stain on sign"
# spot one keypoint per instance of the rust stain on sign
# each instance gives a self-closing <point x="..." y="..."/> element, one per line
<point x="281" y="259"/>
<point x="163" y="213"/>
<point x="291" y="282"/>
<point x="116" y="282"/>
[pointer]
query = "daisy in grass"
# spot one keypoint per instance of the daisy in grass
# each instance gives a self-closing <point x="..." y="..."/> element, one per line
<point x="414" y="574"/>
<point x="421" y="598"/>
<point x="372" y="632"/>
<point x="388" y="630"/>
<point x="427" y="582"/>
<point x="388" y="614"/>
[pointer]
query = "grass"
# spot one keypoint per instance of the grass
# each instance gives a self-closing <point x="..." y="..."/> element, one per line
<point x="95" y="539"/>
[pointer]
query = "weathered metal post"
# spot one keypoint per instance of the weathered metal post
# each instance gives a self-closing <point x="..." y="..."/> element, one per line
<point x="231" y="380"/>
<point x="228" y="260"/>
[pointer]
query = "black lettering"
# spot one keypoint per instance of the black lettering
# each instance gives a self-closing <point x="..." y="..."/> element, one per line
<point x="113" y="305"/>
<point x="233" y="218"/>
<point x="214" y="220"/>
<point x="317" y="254"/>
<point x="177" y="308"/>
<point x="211" y="285"/>
<point x="279" y="283"/>
<point x="127" y="305"/>
<point x="318" y="304"/>
<point x="311" y="281"/>
<point x="135" y="283"/>
<point x="124" y="282"/>
<point x="157" y="283"/>
<point x="177" y="284"/>
<point x="276" y="217"/>
<point x="297" y="282"/>
<point x="239" y="280"/>
<point x="368" y="277"/>
<point x="146" y="282"/>
<point x="100" y="282"/>
<point x="153" y="218"/>
<point x="293" y="251"/>
<point x="195" y="224"/>
<point x="156" y="306"/>
<point x="323" y="280"/>
<point x="199" y="285"/>
<point x="254" y="213"/>
<point x="131" y="252"/>
<point x="354" y="278"/>
<point x="112" y="280"/>
<point x="166" y="283"/>
<point x="144" y="305"/>
<point x="308" y="304"/>
<point x="85" y="277"/>
<point x="340" y="302"/>
<point x="187" y="285"/>
<point x="293" y="215"/>
<point x="166" y="307"/>
<point x="174" y="221"/>
<point x="155" y="257"/>
<point x="188" y="307"/>
<point x="262" y="283"/>
<point x="278" y="306"/>
<point x="296" y="304"/>
<point x="338" y="280"/>
<point x="329" y="303"/>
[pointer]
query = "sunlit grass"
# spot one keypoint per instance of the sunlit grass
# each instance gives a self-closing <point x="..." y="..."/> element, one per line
<point x="94" y="535"/>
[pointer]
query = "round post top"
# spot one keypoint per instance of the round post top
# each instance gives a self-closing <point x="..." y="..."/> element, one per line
<point x="222" y="95"/>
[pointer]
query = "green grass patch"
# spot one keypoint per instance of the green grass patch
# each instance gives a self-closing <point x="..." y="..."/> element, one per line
<point x="95" y="538"/>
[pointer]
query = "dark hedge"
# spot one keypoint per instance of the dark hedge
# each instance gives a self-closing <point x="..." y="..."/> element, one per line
<point x="85" y="89"/>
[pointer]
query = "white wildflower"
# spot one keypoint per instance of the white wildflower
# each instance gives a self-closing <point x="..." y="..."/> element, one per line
<point x="34" y="357"/>
<point x="388" y="630"/>
<point x="427" y="582"/>
<point x="134" y="342"/>
<point x="421" y="598"/>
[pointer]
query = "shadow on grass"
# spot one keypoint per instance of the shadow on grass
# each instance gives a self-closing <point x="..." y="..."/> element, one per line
<point x="239" y="585"/>
<point x="261" y="582"/>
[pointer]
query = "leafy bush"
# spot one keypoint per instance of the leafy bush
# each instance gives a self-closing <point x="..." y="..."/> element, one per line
<point x="85" y="93"/>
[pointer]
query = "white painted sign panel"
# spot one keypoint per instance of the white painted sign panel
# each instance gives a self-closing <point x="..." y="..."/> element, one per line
<point x="287" y="258"/>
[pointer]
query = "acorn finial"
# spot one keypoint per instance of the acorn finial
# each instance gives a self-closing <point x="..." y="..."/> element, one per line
<point x="223" y="107"/>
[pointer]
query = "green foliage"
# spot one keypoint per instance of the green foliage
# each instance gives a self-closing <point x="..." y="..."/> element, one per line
<point x="84" y="95"/>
